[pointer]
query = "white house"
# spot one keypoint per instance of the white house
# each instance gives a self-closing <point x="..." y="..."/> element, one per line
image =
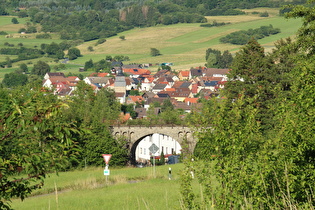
<point x="165" y="143"/>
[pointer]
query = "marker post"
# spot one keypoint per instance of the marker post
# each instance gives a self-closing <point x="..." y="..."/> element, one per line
<point x="106" y="170"/>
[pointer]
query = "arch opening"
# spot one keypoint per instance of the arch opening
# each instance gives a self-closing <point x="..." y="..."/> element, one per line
<point x="140" y="152"/>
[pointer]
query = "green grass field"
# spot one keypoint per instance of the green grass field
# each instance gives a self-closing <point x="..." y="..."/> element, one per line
<point x="184" y="45"/>
<point x="126" y="188"/>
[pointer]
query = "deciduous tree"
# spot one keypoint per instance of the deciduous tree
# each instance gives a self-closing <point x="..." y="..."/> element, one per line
<point x="40" y="68"/>
<point x="35" y="140"/>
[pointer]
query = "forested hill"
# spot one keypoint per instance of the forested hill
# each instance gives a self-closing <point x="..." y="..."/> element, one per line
<point x="94" y="19"/>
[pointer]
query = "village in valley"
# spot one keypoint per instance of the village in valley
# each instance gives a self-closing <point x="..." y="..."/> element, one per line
<point x="183" y="88"/>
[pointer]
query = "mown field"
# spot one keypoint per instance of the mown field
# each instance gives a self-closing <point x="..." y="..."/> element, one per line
<point x="126" y="188"/>
<point x="184" y="45"/>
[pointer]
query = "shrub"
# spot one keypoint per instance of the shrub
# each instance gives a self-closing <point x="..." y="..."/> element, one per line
<point x="43" y="36"/>
<point x="264" y="14"/>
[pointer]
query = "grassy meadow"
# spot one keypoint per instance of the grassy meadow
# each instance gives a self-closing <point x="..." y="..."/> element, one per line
<point x="125" y="188"/>
<point x="184" y="45"/>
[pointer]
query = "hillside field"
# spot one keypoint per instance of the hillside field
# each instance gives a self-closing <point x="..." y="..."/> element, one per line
<point x="184" y="45"/>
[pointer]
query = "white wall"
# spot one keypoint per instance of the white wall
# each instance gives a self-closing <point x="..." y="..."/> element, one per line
<point x="164" y="142"/>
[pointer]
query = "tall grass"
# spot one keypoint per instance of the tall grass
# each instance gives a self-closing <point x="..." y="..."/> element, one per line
<point x="125" y="188"/>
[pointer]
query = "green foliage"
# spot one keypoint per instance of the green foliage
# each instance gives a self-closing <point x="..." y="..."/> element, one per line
<point x="264" y="14"/>
<point x="43" y="36"/>
<point x="14" y="21"/>
<point x="24" y="67"/>
<point x="104" y="143"/>
<point x="40" y="68"/>
<point x="155" y="52"/>
<point x="258" y="141"/>
<point x="214" y="24"/>
<point x="242" y="37"/>
<point x="34" y="141"/>
<point x="88" y="65"/>
<point x="95" y="113"/>
<point x="162" y="160"/>
<point x="22" y="14"/>
<point x="100" y="41"/>
<point x="14" y="79"/>
<point x="215" y="59"/>
<point x="74" y="53"/>
<point x="3" y="10"/>
<point x="54" y="50"/>
<point x="134" y="92"/>
<point x="129" y="108"/>
<point x="90" y="48"/>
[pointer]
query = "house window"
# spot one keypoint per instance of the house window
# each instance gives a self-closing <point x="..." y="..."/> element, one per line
<point x="166" y="151"/>
<point x="140" y="150"/>
<point x="172" y="150"/>
<point x="144" y="151"/>
<point x="162" y="149"/>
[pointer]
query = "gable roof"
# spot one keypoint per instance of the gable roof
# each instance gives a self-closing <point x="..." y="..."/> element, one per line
<point x="210" y="72"/>
<point x="148" y="94"/>
<point x="141" y="112"/>
<point x="191" y="100"/>
<point x="184" y="73"/>
<point x="163" y="95"/>
<point x="136" y="71"/>
<point x="96" y="74"/>
<point x="55" y="74"/>
<point x="136" y="99"/>
<point x="159" y="86"/>
<point x="161" y="73"/>
<point x="165" y="79"/>
<point x="196" y="72"/>
<point x="98" y="80"/>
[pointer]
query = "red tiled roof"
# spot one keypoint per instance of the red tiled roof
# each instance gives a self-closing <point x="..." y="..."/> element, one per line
<point x="150" y="79"/>
<point x="73" y="77"/>
<point x="191" y="100"/>
<point x="184" y="73"/>
<point x="137" y="71"/>
<point x="124" y="117"/>
<point x="95" y="74"/>
<point x="177" y="84"/>
<point x="136" y="98"/>
<point x="194" y="88"/>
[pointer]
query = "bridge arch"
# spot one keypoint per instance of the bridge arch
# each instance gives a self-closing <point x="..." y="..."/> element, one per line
<point x="135" y="134"/>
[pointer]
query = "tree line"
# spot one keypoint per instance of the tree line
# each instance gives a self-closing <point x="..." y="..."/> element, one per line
<point x="101" y="19"/>
<point x="243" y="36"/>
<point x="52" y="50"/>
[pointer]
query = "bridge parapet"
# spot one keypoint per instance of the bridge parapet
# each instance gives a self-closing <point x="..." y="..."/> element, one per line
<point x="183" y="135"/>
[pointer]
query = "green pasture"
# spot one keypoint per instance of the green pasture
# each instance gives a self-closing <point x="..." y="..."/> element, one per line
<point x="125" y="188"/>
<point x="7" y="26"/>
<point x="184" y="45"/>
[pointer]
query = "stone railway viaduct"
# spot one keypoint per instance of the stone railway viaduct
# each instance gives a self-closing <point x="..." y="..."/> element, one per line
<point x="134" y="134"/>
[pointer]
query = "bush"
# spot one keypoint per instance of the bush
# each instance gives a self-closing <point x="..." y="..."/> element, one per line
<point x="14" y="21"/>
<point x="100" y="41"/>
<point x="43" y="36"/>
<point x="264" y="14"/>
<point x="242" y="37"/>
<point x="155" y="52"/>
